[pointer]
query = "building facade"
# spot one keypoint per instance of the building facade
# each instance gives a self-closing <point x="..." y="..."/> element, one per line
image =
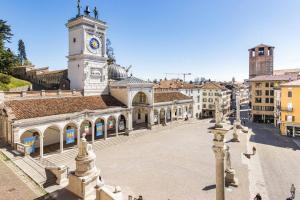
<point x="290" y="108"/>
<point x="262" y="96"/>
<point x="261" y="59"/>
<point x="190" y="90"/>
<point x="210" y="92"/>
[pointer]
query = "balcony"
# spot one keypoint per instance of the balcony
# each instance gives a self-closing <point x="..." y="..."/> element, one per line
<point x="287" y="109"/>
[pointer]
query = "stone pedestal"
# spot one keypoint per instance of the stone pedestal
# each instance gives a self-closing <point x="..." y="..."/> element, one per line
<point x="230" y="178"/>
<point x="83" y="180"/>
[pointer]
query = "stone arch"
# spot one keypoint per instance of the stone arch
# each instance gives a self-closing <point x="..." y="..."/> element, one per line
<point x="51" y="139"/>
<point x="111" y="126"/>
<point x="32" y="137"/>
<point x="70" y="129"/>
<point x="140" y="98"/>
<point x="99" y="128"/>
<point x="86" y="127"/>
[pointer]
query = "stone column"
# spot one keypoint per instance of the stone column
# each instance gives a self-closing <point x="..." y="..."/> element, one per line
<point x="166" y="110"/>
<point x="151" y="118"/>
<point x="117" y="126"/>
<point x="130" y="120"/>
<point x="105" y="129"/>
<point x="218" y="147"/>
<point x="41" y="146"/>
<point x="93" y="132"/>
<point x="158" y="117"/>
<point x="61" y="141"/>
<point x="238" y="113"/>
<point x="220" y="182"/>
<point x="78" y="135"/>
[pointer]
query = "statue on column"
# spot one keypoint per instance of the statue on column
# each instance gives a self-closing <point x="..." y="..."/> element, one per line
<point x="228" y="158"/>
<point x="95" y="13"/>
<point x="87" y="11"/>
<point x="238" y="114"/>
<point x="230" y="176"/>
<point x="78" y="8"/>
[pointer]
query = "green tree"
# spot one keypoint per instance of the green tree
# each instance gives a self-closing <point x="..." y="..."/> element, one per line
<point x="7" y="61"/>
<point x="22" y="52"/>
<point x="7" y="58"/>
<point x="5" y="33"/>
<point x="110" y="53"/>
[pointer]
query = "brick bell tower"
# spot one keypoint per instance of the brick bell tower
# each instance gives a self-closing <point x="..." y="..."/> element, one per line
<point x="261" y="59"/>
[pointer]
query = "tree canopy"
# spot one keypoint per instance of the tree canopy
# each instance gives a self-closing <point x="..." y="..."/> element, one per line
<point x="22" y="52"/>
<point x="110" y="53"/>
<point x="7" y="58"/>
<point x="5" y="33"/>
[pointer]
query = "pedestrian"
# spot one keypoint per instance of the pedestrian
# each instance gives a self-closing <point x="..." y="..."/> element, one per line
<point x="293" y="190"/>
<point x="253" y="150"/>
<point x="257" y="197"/>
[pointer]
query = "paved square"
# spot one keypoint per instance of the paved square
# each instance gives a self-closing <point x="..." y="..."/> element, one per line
<point x="175" y="163"/>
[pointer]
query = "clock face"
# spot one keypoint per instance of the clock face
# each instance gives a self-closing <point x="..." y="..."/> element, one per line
<point x="93" y="44"/>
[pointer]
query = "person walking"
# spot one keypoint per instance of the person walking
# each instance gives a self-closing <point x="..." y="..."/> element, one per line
<point x="293" y="190"/>
<point x="253" y="150"/>
<point x="257" y="197"/>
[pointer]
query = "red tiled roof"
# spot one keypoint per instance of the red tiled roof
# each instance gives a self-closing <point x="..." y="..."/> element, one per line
<point x="213" y="86"/>
<point x="33" y="108"/>
<point x="174" y="84"/>
<point x="169" y="96"/>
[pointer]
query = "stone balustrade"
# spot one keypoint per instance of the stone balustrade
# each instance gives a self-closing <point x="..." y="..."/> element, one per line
<point x="38" y="94"/>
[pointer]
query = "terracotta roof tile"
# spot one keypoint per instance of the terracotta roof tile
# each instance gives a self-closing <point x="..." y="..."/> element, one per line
<point x="213" y="86"/>
<point x="169" y="96"/>
<point x="174" y="84"/>
<point x="33" y="108"/>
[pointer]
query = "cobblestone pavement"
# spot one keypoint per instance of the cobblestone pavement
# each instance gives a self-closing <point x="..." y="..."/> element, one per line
<point x="279" y="159"/>
<point x="176" y="163"/>
<point x="11" y="185"/>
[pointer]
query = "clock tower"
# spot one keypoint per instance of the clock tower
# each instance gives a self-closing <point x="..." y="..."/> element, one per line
<point x="87" y="66"/>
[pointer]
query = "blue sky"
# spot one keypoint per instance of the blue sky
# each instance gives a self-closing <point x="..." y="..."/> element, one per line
<point x="206" y="38"/>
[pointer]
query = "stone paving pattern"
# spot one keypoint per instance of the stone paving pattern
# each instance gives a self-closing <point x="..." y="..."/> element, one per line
<point x="174" y="163"/>
<point x="12" y="187"/>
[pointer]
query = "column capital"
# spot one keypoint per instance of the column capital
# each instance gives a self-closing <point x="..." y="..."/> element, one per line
<point x="219" y="152"/>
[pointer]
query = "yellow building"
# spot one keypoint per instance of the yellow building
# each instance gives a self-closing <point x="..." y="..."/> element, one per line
<point x="262" y="96"/>
<point x="290" y="108"/>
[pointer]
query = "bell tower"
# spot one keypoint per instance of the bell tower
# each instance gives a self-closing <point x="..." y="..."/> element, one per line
<point x="87" y="59"/>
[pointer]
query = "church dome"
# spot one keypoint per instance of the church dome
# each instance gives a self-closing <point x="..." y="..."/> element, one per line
<point x="116" y="72"/>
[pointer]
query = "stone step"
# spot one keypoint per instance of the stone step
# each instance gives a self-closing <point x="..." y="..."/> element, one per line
<point x="28" y="168"/>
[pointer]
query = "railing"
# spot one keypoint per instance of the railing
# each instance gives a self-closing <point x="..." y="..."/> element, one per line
<point x="287" y="109"/>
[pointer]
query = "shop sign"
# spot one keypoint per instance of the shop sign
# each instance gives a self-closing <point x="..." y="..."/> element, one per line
<point x="20" y="148"/>
<point x="155" y="118"/>
<point x="121" y="125"/>
<point x="70" y="136"/>
<point x="86" y="129"/>
<point x="168" y="115"/>
<point x="99" y="129"/>
<point x="110" y="124"/>
<point x="30" y="143"/>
